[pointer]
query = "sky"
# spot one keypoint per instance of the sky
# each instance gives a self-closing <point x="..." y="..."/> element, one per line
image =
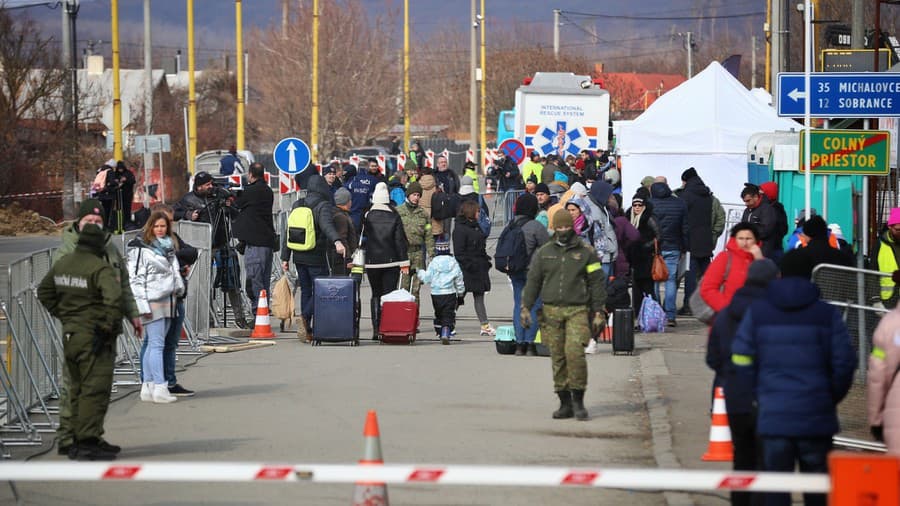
<point x="610" y="28"/>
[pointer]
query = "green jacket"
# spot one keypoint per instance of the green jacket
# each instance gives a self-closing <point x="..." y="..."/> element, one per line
<point x="83" y="291"/>
<point x="114" y="258"/>
<point x="718" y="219"/>
<point x="417" y="226"/>
<point x="569" y="275"/>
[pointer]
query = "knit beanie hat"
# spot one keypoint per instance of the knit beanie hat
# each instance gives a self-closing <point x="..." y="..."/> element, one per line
<point x="413" y="187"/>
<point x="381" y="195"/>
<point x="688" y="174"/>
<point x="541" y="188"/>
<point x="770" y="188"/>
<point x="815" y="227"/>
<point x="527" y="205"/>
<point x="90" y="206"/>
<point x="201" y="178"/>
<point x="647" y="181"/>
<point x="442" y="247"/>
<point x="341" y="196"/>
<point x="562" y="219"/>
<point x="761" y="272"/>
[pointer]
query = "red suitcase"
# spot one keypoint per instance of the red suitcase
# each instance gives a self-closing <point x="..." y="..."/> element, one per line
<point x="399" y="322"/>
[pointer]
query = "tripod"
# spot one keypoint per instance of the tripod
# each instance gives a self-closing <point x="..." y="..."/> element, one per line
<point x="225" y="258"/>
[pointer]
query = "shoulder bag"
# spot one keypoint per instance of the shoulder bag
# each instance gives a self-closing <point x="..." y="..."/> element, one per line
<point x="659" y="271"/>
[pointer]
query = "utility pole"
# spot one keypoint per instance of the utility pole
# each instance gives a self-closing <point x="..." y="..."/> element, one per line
<point x="239" y="74"/>
<point x="689" y="45"/>
<point x="483" y="132"/>
<point x="556" y="33"/>
<point x="473" y="93"/>
<point x="70" y="98"/>
<point x="753" y="62"/>
<point x="857" y="26"/>
<point x="148" y="98"/>
<point x="405" y="76"/>
<point x="192" y="91"/>
<point x="117" y="98"/>
<point x="314" y="110"/>
<point x="285" y="14"/>
<point x="775" y="31"/>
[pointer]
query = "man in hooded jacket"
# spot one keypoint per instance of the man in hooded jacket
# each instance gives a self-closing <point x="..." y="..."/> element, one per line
<point x="671" y="214"/>
<point x="313" y="263"/>
<point x="698" y="198"/>
<point x="605" y="244"/>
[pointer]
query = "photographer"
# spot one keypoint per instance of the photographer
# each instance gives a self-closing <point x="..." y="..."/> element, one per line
<point x="211" y="204"/>
<point x="256" y="232"/>
<point x="116" y="195"/>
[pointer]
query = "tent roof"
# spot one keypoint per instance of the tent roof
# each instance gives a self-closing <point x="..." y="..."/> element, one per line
<point x="710" y="113"/>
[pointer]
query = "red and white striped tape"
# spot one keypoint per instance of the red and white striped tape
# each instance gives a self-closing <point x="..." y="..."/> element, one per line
<point x="636" y="479"/>
<point x="35" y="194"/>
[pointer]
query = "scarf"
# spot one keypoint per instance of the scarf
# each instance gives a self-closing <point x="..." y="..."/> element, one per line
<point x="578" y="224"/>
<point x="635" y="218"/>
<point x="163" y="245"/>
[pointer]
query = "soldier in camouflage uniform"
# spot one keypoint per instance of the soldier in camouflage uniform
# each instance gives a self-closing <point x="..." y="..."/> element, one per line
<point x="417" y="226"/>
<point x="90" y="212"/>
<point x="568" y="277"/>
<point x="83" y="291"/>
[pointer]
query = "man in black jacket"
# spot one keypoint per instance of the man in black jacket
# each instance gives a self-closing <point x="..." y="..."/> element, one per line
<point x="700" y="237"/>
<point x="760" y="212"/>
<point x="313" y="263"/>
<point x="671" y="214"/>
<point x="256" y="231"/>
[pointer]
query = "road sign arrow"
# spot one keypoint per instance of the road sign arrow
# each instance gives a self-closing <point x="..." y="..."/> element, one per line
<point x="796" y="94"/>
<point x="292" y="158"/>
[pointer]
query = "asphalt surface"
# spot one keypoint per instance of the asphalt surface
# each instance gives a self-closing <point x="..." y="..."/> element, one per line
<point x="457" y="404"/>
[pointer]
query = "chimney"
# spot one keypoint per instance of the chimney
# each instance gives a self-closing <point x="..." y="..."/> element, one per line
<point x="95" y="64"/>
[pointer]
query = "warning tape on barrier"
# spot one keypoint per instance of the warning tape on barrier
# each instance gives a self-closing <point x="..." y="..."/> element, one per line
<point x="35" y="194"/>
<point x="636" y="479"/>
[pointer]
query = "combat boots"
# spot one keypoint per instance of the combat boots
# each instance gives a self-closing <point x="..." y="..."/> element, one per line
<point x="532" y="350"/>
<point x="565" y="405"/>
<point x="578" y="405"/>
<point x="521" y="348"/>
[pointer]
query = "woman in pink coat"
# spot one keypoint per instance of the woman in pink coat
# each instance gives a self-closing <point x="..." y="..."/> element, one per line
<point x="883" y="392"/>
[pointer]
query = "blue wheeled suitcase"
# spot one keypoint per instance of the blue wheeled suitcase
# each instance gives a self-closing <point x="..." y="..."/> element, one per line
<point x="335" y="311"/>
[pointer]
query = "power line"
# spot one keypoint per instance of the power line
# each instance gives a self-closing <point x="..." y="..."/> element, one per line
<point x="664" y="18"/>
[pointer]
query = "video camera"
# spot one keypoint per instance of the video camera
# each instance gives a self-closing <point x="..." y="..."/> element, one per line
<point x="223" y="189"/>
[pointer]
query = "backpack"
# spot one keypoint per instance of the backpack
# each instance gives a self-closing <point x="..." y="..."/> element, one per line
<point x="398" y="195"/>
<point x="443" y="206"/>
<point x="484" y="220"/>
<point x="301" y="228"/>
<point x="511" y="255"/>
<point x="652" y="317"/>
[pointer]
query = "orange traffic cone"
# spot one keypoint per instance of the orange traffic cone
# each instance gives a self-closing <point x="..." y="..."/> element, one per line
<point x="262" y="329"/>
<point x="367" y="493"/>
<point x="720" y="448"/>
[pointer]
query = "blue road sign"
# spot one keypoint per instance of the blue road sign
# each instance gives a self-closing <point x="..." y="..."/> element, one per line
<point x="513" y="149"/>
<point x="840" y="95"/>
<point x="291" y="155"/>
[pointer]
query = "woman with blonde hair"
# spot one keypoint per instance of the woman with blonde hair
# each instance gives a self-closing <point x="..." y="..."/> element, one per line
<point x="156" y="284"/>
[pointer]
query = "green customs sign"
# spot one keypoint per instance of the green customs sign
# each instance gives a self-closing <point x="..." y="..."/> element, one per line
<point x="857" y="152"/>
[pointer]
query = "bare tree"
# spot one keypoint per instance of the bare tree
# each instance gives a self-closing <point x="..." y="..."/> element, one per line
<point x="358" y="76"/>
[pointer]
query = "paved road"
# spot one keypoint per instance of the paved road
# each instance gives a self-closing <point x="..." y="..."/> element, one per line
<point x="458" y="404"/>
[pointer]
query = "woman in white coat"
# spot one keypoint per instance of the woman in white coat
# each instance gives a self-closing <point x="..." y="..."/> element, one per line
<point x="156" y="284"/>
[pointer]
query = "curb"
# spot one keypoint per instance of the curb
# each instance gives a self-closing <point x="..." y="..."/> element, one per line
<point x="652" y="365"/>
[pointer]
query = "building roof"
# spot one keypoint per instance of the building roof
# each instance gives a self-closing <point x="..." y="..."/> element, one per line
<point x="646" y="88"/>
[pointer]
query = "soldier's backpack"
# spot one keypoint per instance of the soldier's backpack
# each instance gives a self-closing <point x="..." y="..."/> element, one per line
<point x="301" y="228"/>
<point x="443" y="206"/>
<point x="511" y="255"/>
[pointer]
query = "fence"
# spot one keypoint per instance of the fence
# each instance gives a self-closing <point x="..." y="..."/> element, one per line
<point x="857" y="293"/>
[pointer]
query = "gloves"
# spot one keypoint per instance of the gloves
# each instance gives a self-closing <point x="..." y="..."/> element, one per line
<point x="598" y="323"/>
<point x="525" y="317"/>
<point x="460" y="300"/>
<point x="877" y="432"/>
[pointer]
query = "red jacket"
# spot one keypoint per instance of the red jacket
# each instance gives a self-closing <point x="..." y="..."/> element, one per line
<point x="715" y="289"/>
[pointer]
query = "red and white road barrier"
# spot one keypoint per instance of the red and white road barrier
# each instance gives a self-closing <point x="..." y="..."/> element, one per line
<point x="635" y="479"/>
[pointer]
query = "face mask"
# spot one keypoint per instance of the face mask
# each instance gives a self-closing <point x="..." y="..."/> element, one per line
<point x="563" y="237"/>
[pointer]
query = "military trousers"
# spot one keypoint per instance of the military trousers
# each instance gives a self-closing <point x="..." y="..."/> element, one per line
<point x="565" y="330"/>
<point x="411" y="282"/>
<point x="86" y="387"/>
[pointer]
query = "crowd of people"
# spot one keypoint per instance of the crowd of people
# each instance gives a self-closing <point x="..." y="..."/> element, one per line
<point x="571" y="236"/>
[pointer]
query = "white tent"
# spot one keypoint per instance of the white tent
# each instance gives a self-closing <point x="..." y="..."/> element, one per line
<point x="703" y="123"/>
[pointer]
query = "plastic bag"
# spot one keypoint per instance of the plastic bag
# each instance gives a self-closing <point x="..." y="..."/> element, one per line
<point x="400" y="295"/>
<point x="282" y="300"/>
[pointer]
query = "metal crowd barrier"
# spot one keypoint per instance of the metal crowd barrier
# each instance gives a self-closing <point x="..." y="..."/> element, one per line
<point x="857" y="292"/>
<point x="501" y="206"/>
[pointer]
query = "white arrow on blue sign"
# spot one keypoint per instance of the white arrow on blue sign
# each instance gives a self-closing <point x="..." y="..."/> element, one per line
<point x="291" y="155"/>
<point x="840" y="94"/>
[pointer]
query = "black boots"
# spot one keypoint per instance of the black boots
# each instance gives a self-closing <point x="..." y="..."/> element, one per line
<point x="578" y="405"/>
<point x="532" y="350"/>
<point x="565" y="405"/>
<point x="93" y="449"/>
<point x="375" y="308"/>
<point x="521" y="349"/>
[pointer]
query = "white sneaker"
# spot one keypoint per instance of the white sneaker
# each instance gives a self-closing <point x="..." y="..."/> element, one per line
<point x="487" y="330"/>
<point x="592" y="347"/>
<point x="147" y="392"/>
<point x="161" y="394"/>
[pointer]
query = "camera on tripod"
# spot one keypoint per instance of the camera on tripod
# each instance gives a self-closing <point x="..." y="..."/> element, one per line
<point x="223" y="189"/>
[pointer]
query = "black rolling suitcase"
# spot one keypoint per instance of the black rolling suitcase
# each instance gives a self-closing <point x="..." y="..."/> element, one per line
<point x="623" y="331"/>
<point x="336" y="311"/>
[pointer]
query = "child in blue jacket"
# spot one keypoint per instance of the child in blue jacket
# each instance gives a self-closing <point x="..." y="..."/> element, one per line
<point x="447" y="288"/>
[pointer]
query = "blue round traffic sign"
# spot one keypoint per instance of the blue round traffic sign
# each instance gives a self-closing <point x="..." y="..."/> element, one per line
<point x="513" y="149"/>
<point x="291" y="155"/>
